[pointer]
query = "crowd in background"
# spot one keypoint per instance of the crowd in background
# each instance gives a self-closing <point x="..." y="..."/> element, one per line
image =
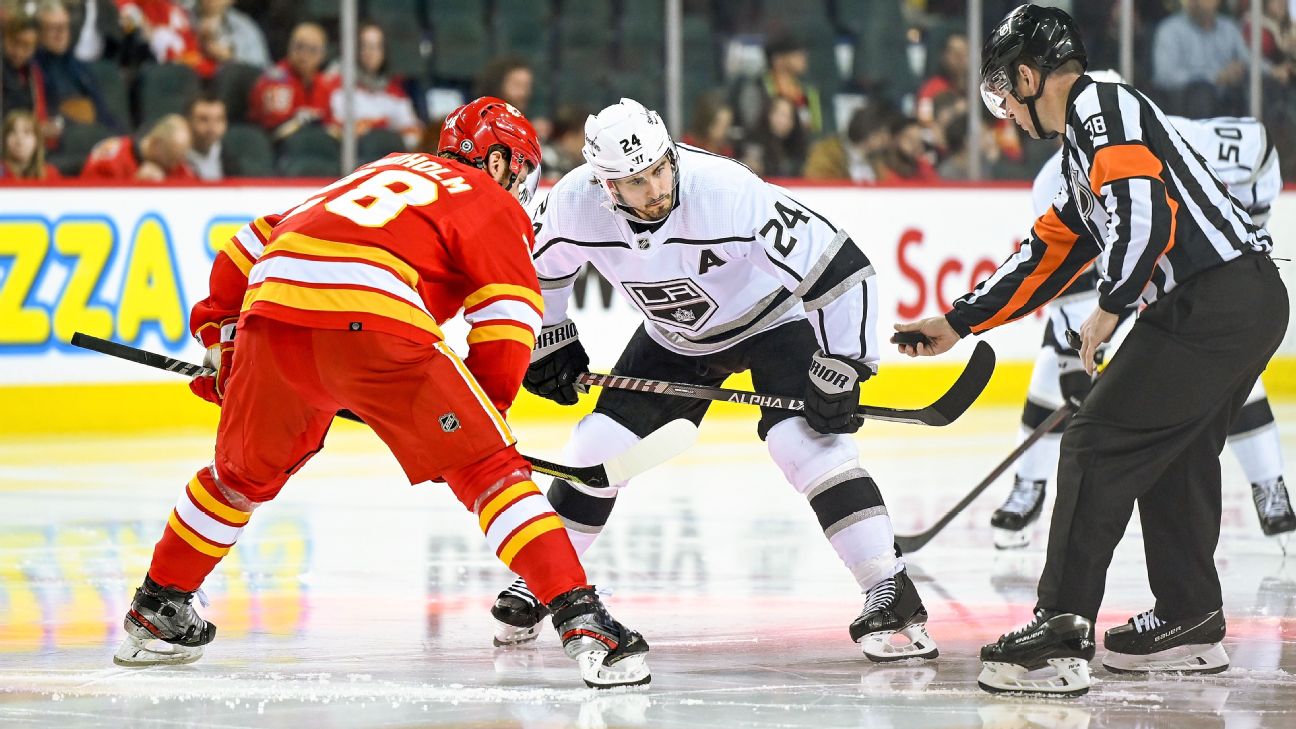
<point x="847" y="90"/>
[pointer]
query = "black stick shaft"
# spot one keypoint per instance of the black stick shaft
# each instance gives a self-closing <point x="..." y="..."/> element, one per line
<point x="915" y="542"/>
<point x="590" y="475"/>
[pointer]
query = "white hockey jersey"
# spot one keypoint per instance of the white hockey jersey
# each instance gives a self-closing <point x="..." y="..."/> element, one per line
<point x="1237" y="149"/>
<point x="736" y="257"/>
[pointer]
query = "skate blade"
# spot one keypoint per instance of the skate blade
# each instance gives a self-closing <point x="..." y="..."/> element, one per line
<point x="137" y="653"/>
<point x="629" y="671"/>
<point x="1202" y="658"/>
<point x="1009" y="539"/>
<point x="881" y="647"/>
<point x="508" y="636"/>
<point x="1070" y="677"/>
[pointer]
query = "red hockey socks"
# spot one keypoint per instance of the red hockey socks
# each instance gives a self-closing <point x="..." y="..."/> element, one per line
<point x="521" y="527"/>
<point x="202" y="528"/>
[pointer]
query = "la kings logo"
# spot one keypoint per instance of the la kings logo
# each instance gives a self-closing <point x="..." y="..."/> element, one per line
<point x="679" y="303"/>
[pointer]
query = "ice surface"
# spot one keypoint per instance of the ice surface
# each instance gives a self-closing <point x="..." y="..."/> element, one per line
<point x="357" y="600"/>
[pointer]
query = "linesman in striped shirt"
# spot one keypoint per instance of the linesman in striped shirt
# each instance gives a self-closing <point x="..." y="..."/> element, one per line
<point x="1163" y="231"/>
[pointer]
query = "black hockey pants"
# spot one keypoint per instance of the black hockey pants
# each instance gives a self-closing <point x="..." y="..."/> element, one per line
<point x="1152" y="430"/>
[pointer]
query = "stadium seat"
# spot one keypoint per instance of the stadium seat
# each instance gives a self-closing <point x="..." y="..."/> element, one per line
<point x="522" y="28"/>
<point x="311" y="148"/>
<point x="308" y="167"/>
<point x="163" y="89"/>
<point x="75" y="146"/>
<point x="377" y="144"/>
<point x="247" y="152"/>
<point x="233" y="83"/>
<point x="460" y="44"/>
<point x="112" y="88"/>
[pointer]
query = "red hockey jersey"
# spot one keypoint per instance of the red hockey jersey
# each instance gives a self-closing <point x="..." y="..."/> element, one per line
<point x="398" y="246"/>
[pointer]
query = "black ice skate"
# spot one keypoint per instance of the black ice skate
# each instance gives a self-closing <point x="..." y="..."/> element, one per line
<point x="1048" y="656"/>
<point x="608" y="653"/>
<point x="1019" y="511"/>
<point x="517" y="615"/>
<point x="1147" y="643"/>
<point x="893" y="608"/>
<point x="162" y="628"/>
<point x="1274" y="508"/>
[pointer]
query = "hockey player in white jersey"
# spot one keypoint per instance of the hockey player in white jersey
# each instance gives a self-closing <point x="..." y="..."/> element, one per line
<point x="730" y="274"/>
<point x="1241" y="154"/>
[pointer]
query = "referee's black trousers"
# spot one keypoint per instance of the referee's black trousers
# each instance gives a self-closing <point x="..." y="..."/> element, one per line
<point x="1152" y="430"/>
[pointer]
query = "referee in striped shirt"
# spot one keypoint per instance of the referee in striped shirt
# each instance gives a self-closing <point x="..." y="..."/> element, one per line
<point x="1163" y="231"/>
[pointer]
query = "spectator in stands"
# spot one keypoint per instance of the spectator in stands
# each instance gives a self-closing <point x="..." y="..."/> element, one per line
<point x="96" y="27"/>
<point x="562" y="151"/>
<point x="907" y="158"/>
<point x="952" y="75"/>
<point x="208" y="123"/>
<point x="70" y="89"/>
<point x="510" y="78"/>
<point x="957" y="164"/>
<point x="158" y="156"/>
<point x="856" y="154"/>
<point x="294" y="92"/>
<point x="381" y="101"/>
<point x="1277" y="36"/>
<point x="164" y="26"/>
<point x="227" y="34"/>
<point x="711" y="127"/>
<point x="778" y="148"/>
<point x="788" y="63"/>
<point x="23" y="81"/>
<point x="24" y="150"/>
<point x="1200" y="61"/>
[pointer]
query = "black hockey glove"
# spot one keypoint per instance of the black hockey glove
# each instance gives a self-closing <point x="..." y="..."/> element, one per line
<point x="832" y="395"/>
<point x="556" y="361"/>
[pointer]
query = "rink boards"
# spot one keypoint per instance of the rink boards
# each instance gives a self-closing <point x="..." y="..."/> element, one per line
<point x="128" y="263"/>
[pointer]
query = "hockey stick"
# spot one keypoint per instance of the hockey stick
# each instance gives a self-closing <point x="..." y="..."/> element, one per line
<point x="960" y="396"/>
<point x="915" y="542"/>
<point x="658" y="447"/>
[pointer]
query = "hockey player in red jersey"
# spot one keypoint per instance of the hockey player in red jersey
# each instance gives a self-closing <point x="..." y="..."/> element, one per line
<point x="337" y="304"/>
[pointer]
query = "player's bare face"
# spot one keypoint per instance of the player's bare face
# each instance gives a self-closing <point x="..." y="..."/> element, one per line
<point x="650" y="193"/>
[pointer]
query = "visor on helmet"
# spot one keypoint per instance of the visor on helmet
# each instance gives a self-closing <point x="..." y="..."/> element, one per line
<point x="995" y="88"/>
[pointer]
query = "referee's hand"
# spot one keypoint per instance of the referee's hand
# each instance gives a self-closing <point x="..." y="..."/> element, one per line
<point x="1096" y="329"/>
<point x="937" y="335"/>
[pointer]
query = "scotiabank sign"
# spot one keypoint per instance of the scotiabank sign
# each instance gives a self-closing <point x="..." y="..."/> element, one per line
<point x="128" y="263"/>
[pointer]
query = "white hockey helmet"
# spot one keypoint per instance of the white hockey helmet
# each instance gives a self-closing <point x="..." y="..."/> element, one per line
<point x="625" y="139"/>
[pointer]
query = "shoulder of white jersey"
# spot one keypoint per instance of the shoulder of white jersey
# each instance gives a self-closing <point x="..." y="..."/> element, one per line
<point x="706" y="172"/>
<point x="1044" y="190"/>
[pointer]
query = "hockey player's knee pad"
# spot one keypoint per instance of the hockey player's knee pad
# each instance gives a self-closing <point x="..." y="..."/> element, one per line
<point x="227" y="484"/>
<point x="472" y="482"/>
<point x="807" y="457"/>
<point x="595" y="439"/>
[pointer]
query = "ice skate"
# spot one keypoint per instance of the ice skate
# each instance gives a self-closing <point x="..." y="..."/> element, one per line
<point x="162" y="628"/>
<point x="1273" y="506"/>
<point x="1018" y="512"/>
<point x="518" y="615"/>
<point x="893" y="608"/>
<point x="1147" y="643"/>
<point x="608" y="653"/>
<point x="1049" y="656"/>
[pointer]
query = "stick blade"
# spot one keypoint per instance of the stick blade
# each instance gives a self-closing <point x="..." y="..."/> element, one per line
<point x="660" y="446"/>
<point x="966" y="389"/>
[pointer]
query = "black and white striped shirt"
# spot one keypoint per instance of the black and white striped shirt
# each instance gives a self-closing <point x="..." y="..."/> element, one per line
<point x="1136" y="197"/>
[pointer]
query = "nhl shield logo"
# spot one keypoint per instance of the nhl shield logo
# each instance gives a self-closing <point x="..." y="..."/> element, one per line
<point x="449" y="423"/>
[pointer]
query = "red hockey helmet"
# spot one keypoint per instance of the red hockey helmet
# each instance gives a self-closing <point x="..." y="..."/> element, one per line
<point x="479" y="127"/>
